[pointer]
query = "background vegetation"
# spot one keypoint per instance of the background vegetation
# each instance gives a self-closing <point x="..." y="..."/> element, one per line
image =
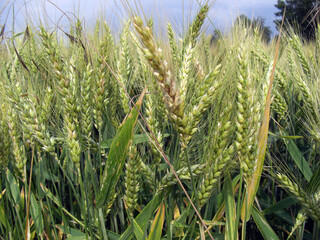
<point x="303" y="15"/>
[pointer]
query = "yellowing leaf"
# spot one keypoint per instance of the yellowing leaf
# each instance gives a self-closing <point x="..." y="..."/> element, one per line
<point x="157" y="225"/>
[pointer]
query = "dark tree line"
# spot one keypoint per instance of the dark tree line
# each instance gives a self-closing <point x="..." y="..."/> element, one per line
<point x="256" y="23"/>
<point x="302" y="15"/>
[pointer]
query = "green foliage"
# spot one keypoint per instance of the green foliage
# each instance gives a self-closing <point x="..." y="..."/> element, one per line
<point x="264" y="227"/>
<point x="301" y="15"/>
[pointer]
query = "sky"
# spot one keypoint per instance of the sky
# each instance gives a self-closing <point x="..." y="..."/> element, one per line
<point x="222" y="12"/>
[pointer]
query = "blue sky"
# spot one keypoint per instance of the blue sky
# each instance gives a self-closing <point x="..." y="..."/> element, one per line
<point x="222" y="12"/>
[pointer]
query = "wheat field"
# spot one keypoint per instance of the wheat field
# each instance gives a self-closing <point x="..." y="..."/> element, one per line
<point x="129" y="136"/>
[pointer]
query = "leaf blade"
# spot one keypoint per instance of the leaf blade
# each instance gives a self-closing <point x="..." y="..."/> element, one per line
<point x="298" y="158"/>
<point x="157" y="225"/>
<point x="118" y="153"/>
<point x="264" y="227"/>
<point x="137" y="230"/>
<point x="231" y="229"/>
<point x="36" y="214"/>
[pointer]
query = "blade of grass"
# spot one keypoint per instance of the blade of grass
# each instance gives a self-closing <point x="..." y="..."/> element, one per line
<point x="264" y="227"/>
<point x="137" y="230"/>
<point x="314" y="183"/>
<point x="144" y="217"/>
<point x="3" y="218"/>
<point x="71" y="232"/>
<point x="12" y="185"/>
<point x="157" y="225"/>
<point x="231" y="229"/>
<point x="284" y="136"/>
<point x="220" y="212"/>
<point x="51" y="196"/>
<point x="282" y="204"/>
<point x="117" y="154"/>
<point x="36" y="214"/>
<point x="29" y="192"/>
<point x="137" y="138"/>
<point x="298" y="158"/>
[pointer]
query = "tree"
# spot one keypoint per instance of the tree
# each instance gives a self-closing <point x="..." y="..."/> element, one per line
<point x="255" y="23"/>
<point x="302" y="15"/>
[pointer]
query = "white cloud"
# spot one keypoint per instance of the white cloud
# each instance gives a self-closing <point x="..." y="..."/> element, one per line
<point x="222" y="12"/>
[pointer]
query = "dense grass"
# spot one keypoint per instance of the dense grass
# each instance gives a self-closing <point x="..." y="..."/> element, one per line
<point x="78" y="161"/>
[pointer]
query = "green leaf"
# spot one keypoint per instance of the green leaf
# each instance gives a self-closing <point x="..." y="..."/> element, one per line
<point x="282" y="204"/>
<point x="18" y="34"/>
<point x="231" y="228"/>
<point x="117" y="154"/>
<point x="284" y="136"/>
<point x="157" y="225"/>
<point x="50" y="195"/>
<point x="314" y="184"/>
<point x="137" y="138"/>
<point x="137" y="230"/>
<point x="143" y="218"/>
<point x="36" y="214"/>
<point x="50" y="177"/>
<point x="74" y="234"/>
<point x="78" y="238"/>
<point x="113" y="236"/>
<point x="71" y="232"/>
<point x="218" y="236"/>
<point x="220" y="212"/>
<point x="298" y="158"/>
<point x="264" y="227"/>
<point x="13" y="187"/>
<point x="183" y="216"/>
<point x="3" y="216"/>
